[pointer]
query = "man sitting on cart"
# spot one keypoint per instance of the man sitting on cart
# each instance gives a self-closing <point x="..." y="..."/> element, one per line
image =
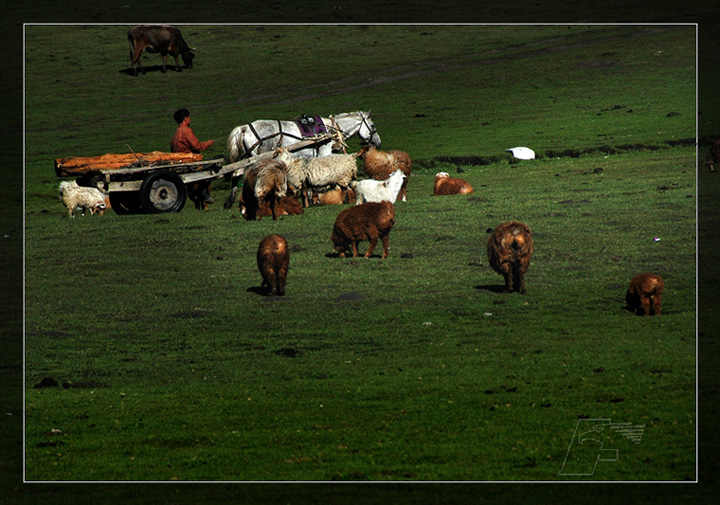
<point x="185" y="141"/>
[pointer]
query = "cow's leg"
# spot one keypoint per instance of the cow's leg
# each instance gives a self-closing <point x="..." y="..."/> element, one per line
<point x="645" y="302"/>
<point x="657" y="306"/>
<point x="519" y="278"/>
<point x="509" y="282"/>
<point x="272" y="208"/>
<point x="136" y="58"/>
<point x="354" y="248"/>
<point x="177" y="64"/>
<point x="386" y="246"/>
<point x="164" y="58"/>
<point x="371" y="248"/>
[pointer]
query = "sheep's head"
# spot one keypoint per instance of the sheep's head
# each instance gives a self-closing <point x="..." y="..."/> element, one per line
<point x="99" y="208"/>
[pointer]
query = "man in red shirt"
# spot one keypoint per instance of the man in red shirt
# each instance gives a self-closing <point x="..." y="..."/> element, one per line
<point x="185" y="141"/>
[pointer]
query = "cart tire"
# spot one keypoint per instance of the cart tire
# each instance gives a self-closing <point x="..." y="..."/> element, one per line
<point x="125" y="202"/>
<point x="163" y="191"/>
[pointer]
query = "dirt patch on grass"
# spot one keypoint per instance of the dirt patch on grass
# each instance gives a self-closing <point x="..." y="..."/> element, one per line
<point x="352" y="296"/>
<point x="288" y="352"/>
<point x="192" y="314"/>
<point x="479" y="160"/>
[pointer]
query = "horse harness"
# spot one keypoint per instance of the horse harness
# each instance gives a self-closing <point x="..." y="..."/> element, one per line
<point x="280" y="132"/>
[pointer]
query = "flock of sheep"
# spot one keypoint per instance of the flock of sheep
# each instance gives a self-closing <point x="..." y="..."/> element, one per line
<point x="272" y="186"/>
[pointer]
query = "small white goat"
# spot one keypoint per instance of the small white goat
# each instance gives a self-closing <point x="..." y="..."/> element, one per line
<point x="370" y="190"/>
<point x="85" y="198"/>
<point x="318" y="174"/>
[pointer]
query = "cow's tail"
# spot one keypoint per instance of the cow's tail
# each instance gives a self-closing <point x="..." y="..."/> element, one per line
<point x="132" y="45"/>
<point x="236" y="144"/>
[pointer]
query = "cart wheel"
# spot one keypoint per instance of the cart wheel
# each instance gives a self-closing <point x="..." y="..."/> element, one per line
<point x="163" y="191"/>
<point x="125" y="202"/>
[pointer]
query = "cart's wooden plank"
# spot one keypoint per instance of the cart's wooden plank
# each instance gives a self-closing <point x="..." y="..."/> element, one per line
<point x="84" y="165"/>
<point x="178" y="167"/>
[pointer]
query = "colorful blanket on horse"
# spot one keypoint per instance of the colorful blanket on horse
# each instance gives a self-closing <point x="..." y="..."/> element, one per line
<point x="310" y="126"/>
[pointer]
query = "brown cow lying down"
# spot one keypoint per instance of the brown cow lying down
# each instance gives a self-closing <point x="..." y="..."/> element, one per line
<point x="509" y="250"/>
<point x="273" y="258"/>
<point x="286" y="206"/>
<point x="368" y="221"/>
<point x="334" y="196"/>
<point x="446" y="185"/>
<point x="644" y="295"/>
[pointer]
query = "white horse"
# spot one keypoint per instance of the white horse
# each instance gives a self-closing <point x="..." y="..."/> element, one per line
<point x="266" y="135"/>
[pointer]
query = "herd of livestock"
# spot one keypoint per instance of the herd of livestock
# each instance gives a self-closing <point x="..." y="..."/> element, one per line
<point x="285" y="184"/>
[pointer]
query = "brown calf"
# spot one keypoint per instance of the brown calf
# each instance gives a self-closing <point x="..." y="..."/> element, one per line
<point x="368" y="221"/>
<point x="644" y="295"/>
<point x="273" y="258"/>
<point x="509" y="250"/>
<point x="446" y="185"/>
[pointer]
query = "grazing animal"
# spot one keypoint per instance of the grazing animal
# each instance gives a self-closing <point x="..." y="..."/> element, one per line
<point x="370" y="190"/>
<point x="318" y="174"/>
<point x="509" y="250"/>
<point x="446" y="185"/>
<point x="158" y="39"/>
<point x="82" y="197"/>
<point x="264" y="135"/>
<point x="273" y="258"/>
<point x="369" y="221"/>
<point x="265" y="182"/>
<point x="644" y="295"/>
<point x="380" y="164"/>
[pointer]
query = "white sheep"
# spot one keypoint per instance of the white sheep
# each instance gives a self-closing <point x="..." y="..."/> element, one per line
<point x="85" y="198"/>
<point x="370" y="190"/>
<point x="318" y="174"/>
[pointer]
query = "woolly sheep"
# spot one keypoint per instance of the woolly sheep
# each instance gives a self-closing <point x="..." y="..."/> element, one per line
<point x="318" y="174"/>
<point x="85" y="198"/>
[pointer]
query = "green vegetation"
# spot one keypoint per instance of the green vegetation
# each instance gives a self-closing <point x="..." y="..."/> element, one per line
<point x="414" y="368"/>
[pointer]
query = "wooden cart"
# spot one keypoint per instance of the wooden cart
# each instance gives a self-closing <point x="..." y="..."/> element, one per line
<point x="156" y="182"/>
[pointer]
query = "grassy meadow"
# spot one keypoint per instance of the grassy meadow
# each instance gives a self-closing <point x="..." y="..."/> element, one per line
<point x="170" y="365"/>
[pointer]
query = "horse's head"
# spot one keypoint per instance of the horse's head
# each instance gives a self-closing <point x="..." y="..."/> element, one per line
<point x="367" y="131"/>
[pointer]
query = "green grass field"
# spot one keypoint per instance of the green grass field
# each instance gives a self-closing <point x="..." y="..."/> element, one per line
<point x="170" y="365"/>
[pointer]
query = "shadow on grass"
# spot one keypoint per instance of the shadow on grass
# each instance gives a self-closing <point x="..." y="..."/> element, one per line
<point x="492" y="288"/>
<point x="151" y="69"/>
<point x="265" y="291"/>
<point x="349" y="256"/>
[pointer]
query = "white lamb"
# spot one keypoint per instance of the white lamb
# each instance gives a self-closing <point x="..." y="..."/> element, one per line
<point x="318" y="174"/>
<point x="85" y="198"/>
<point x="370" y="190"/>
